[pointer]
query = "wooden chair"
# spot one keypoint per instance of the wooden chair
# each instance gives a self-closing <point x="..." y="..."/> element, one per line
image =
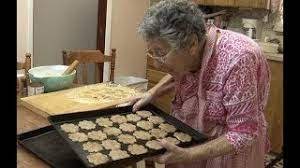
<point x="21" y="77"/>
<point x="90" y="56"/>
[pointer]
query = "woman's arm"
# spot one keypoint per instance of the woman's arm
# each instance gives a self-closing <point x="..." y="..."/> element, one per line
<point x="163" y="86"/>
<point x="214" y="148"/>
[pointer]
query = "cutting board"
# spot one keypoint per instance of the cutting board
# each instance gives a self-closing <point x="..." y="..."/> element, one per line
<point x="56" y="103"/>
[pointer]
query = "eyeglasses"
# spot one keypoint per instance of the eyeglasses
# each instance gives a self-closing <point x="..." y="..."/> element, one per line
<point x="159" y="57"/>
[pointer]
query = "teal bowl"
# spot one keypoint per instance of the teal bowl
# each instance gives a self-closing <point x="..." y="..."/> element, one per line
<point x="50" y="76"/>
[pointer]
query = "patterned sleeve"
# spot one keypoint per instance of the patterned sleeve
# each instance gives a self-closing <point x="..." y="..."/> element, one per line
<point x="240" y="101"/>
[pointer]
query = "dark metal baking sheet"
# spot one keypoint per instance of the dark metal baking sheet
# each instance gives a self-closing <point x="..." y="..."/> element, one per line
<point x="49" y="146"/>
<point x="57" y="120"/>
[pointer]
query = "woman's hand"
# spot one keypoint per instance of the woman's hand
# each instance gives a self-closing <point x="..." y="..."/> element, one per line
<point x="145" y="99"/>
<point x="174" y="154"/>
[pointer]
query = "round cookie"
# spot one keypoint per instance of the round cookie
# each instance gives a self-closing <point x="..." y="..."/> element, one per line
<point x="154" y="144"/>
<point x="142" y="135"/>
<point x="97" y="158"/>
<point x="92" y="147"/>
<point x="158" y="133"/>
<point x="127" y="127"/>
<point x="111" y="144"/>
<point x="118" y="154"/>
<point x="70" y="128"/>
<point x="87" y="125"/>
<point x="112" y="131"/>
<point x="78" y="137"/>
<point x="167" y="127"/>
<point x="183" y="137"/>
<point x="172" y="140"/>
<point x="156" y="119"/>
<point x="136" y="149"/>
<point x="104" y="122"/>
<point x="144" y="113"/>
<point x="118" y="119"/>
<point x="97" y="135"/>
<point x="126" y="139"/>
<point x="133" y="117"/>
<point x="146" y="125"/>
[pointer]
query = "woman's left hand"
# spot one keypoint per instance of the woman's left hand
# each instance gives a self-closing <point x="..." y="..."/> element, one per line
<point x="174" y="154"/>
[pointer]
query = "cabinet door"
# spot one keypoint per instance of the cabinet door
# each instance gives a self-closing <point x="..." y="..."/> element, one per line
<point x="236" y="3"/>
<point x="274" y="110"/>
<point x="216" y="2"/>
<point x="163" y="102"/>
<point x="252" y="3"/>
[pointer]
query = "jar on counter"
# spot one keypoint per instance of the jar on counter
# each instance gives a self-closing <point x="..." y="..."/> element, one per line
<point x="35" y="88"/>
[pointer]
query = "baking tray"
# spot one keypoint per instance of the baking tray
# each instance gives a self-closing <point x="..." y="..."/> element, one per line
<point x="58" y="120"/>
<point x="49" y="146"/>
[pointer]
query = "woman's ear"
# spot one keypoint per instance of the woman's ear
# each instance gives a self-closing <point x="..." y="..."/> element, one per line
<point x="194" y="45"/>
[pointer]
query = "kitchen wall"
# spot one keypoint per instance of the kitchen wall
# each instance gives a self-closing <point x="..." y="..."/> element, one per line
<point x="22" y="29"/>
<point x="63" y="24"/>
<point x="123" y="17"/>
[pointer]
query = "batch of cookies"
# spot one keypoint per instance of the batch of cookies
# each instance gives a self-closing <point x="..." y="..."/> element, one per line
<point x="119" y="136"/>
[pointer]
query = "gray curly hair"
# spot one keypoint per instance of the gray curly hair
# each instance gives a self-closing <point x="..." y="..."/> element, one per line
<point x="174" y="21"/>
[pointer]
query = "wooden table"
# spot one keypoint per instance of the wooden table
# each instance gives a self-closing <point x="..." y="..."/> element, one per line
<point x="26" y="121"/>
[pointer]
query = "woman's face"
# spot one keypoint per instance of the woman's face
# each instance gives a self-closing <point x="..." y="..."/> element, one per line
<point x="176" y="62"/>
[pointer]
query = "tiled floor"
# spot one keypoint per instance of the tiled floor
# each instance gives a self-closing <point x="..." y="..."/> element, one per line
<point x="270" y="157"/>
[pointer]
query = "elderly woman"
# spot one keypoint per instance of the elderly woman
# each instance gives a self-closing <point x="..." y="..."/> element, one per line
<point x="221" y="82"/>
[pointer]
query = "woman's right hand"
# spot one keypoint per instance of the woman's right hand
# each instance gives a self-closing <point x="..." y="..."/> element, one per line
<point x="143" y="100"/>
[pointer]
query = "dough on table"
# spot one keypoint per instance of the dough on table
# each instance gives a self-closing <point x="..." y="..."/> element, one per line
<point x="111" y="144"/>
<point x="136" y="149"/>
<point x="127" y="127"/>
<point x="97" y="135"/>
<point x="70" y="128"/>
<point x="146" y="125"/>
<point x="78" y="137"/>
<point x="92" y="146"/>
<point x="100" y="93"/>
<point x="104" y="122"/>
<point x="87" y="125"/>
<point x="97" y="158"/>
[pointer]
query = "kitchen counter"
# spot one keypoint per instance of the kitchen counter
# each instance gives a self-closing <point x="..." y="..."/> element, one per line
<point x="274" y="57"/>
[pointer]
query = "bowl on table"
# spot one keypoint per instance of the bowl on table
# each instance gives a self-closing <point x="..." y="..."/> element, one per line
<point x="51" y="77"/>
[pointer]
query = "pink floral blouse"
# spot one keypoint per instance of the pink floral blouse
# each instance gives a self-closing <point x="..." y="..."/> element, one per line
<point x="227" y="96"/>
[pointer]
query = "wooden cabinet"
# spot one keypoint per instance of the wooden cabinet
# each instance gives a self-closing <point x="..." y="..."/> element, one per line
<point x="154" y="75"/>
<point x="236" y="3"/>
<point x="217" y="2"/>
<point x="274" y="109"/>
